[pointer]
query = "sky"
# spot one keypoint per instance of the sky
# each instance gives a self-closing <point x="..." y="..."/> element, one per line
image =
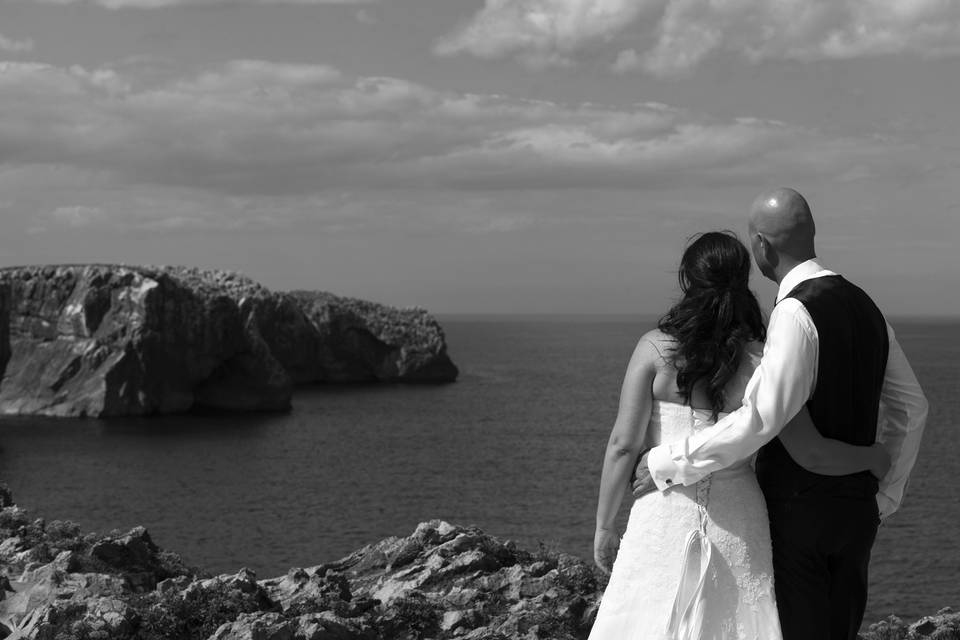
<point x="481" y="156"/>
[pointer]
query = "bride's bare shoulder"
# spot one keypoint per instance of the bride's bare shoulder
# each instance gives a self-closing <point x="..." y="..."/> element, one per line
<point x="661" y="342"/>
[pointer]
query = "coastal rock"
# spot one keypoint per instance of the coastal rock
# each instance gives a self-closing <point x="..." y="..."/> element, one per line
<point x="945" y="625"/>
<point x="4" y="327"/>
<point x="274" y="626"/>
<point x="447" y="581"/>
<point x="53" y="574"/>
<point x="108" y="340"/>
<point x="364" y="341"/>
<point x="443" y="582"/>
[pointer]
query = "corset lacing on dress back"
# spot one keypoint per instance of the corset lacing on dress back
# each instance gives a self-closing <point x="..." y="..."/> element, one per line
<point x="687" y="614"/>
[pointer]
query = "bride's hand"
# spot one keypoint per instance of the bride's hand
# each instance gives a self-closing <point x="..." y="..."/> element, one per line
<point x="882" y="462"/>
<point x="606" y="542"/>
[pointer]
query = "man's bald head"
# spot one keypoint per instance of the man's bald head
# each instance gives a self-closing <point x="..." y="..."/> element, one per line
<point x="781" y="231"/>
<point x="783" y="217"/>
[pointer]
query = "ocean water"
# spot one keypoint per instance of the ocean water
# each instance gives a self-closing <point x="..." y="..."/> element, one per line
<point x="515" y="447"/>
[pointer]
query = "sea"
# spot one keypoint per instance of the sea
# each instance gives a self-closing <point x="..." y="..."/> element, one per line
<point x="514" y="446"/>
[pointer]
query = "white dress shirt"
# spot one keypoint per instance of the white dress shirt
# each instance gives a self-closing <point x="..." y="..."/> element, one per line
<point x="780" y="386"/>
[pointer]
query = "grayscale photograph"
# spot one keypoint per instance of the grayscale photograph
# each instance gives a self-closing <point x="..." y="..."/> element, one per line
<point x="479" y="319"/>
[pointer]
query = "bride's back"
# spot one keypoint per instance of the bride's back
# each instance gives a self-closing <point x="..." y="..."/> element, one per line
<point x="665" y="388"/>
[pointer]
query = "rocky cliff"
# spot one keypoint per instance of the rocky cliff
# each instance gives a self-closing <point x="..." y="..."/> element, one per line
<point x="4" y="327"/>
<point x="360" y="340"/>
<point x="441" y="582"/>
<point x="107" y="340"/>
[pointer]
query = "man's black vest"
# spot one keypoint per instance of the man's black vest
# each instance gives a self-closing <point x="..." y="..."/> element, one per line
<point x="853" y="348"/>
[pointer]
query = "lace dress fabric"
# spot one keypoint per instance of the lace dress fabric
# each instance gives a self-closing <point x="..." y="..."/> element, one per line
<point x="694" y="562"/>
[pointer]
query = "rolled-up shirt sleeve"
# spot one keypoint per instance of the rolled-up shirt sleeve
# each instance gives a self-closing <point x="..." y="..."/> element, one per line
<point x="902" y="418"/>
<point x="778" y="389"/>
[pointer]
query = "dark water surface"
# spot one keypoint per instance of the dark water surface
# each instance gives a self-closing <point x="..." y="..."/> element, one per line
<point x="515" y="447"/>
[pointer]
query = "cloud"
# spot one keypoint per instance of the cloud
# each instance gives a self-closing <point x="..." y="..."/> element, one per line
<point x="257" y="145"/>
<point x="627" y="60"/>
<point x="364" y="16"/>
<point x="159" y="4"/>
<point x="542" y="32"/>
<point x="669" y="37"/>
<point x="13" y="45"/>
<point x="78" y="215"/>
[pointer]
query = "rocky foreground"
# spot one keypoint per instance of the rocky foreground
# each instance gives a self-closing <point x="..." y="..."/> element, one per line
<point x="109" y="340"/>
<point x="443" y="581"/>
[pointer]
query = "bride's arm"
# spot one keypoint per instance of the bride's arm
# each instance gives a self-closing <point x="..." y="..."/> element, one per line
<point x="827" y="456"/>
<point x="624" y="446"/>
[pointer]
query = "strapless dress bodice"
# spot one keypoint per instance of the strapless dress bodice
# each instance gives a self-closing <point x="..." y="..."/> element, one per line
<point x="673" y="421"/>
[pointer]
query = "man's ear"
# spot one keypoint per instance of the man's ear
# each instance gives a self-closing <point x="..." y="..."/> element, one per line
<point x="769" y="253"/>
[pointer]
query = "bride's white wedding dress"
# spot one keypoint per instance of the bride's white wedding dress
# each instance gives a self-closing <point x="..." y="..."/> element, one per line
<point x="695" y="562"/>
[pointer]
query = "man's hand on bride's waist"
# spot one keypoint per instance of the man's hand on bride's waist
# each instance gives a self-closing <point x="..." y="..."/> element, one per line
<point x="642" y="482"/>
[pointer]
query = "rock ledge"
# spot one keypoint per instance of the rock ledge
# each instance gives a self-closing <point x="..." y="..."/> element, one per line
<point x="443" y="581"/>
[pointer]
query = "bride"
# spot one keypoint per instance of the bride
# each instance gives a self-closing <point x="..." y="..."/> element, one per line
<point x="695" y="562"/>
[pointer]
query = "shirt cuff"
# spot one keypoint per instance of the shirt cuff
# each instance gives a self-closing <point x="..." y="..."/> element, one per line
<point x="885" y="505"/>
<point x="662" y="468"/>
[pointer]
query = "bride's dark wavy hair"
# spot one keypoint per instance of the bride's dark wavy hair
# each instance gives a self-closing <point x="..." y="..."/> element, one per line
<point x="715" y="317"/>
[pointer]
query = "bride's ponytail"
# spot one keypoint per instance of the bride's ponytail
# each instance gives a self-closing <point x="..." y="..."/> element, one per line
<point x="716" y="316"/>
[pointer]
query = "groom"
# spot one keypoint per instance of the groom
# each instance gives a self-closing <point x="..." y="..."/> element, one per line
<point x="829" y="348"/>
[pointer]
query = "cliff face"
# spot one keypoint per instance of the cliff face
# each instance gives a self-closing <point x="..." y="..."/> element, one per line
<point x="107" y="341"/>
<point x="4" y="328"/>
<point x="104" y="340"/>
<point x="360" y="340"/>
<point x="442" y="582"/>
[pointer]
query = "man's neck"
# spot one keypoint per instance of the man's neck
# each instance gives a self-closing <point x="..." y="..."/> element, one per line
<point x="799" y="273"/>
<point x="788" y="264"/>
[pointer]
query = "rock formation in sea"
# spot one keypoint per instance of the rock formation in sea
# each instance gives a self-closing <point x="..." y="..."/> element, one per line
<point x="4" y="327"/>
<point x="108" y="340"/>
<point x="360" y="340"/>
<point x="441" y="582"/>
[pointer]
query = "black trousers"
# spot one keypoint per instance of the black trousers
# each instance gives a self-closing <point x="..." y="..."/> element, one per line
<point x="821" y="551"/>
